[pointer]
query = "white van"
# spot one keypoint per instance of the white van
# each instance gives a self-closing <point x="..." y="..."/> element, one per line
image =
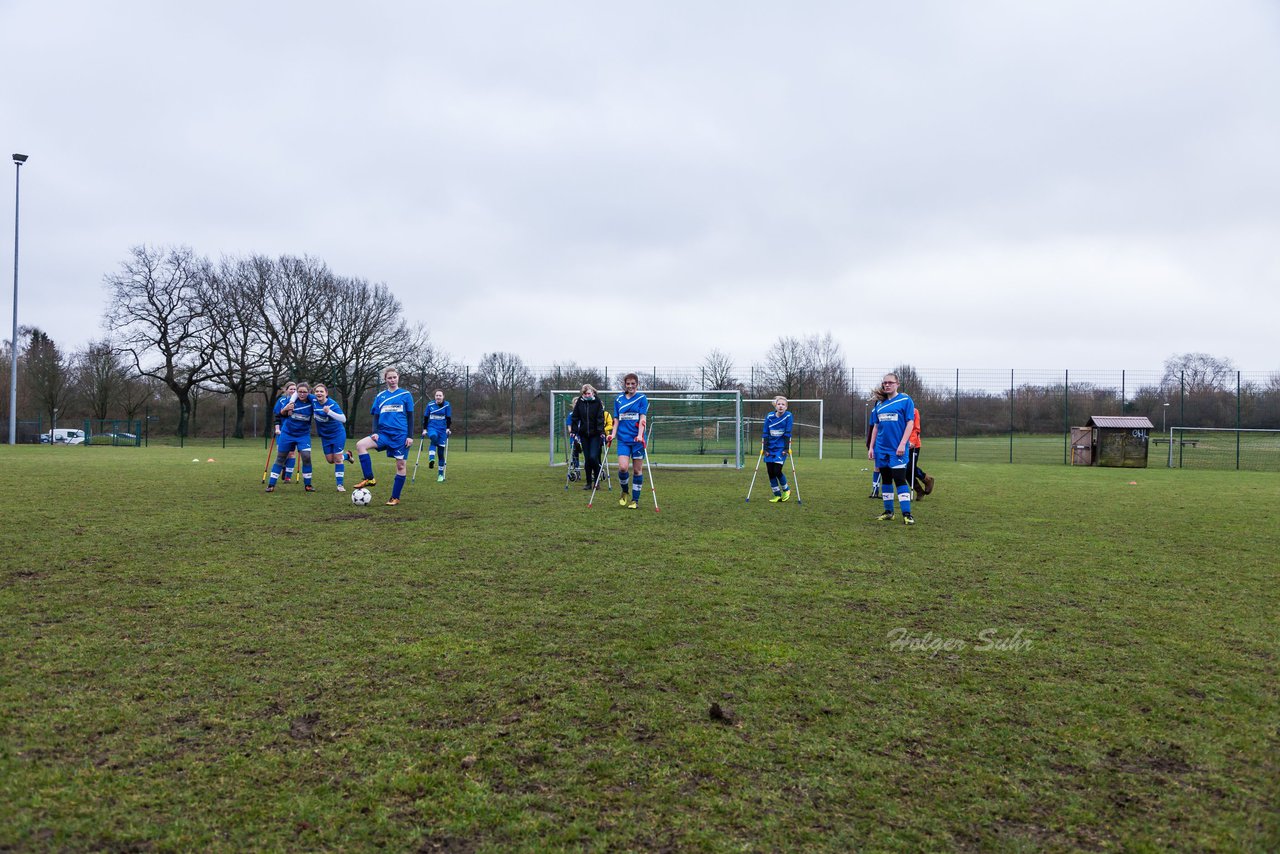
<point x="62" y="436"/>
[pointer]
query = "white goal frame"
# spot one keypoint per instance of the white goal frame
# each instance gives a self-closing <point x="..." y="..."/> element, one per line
<point x="821" y="414"/>
<point x="659" y="396"/>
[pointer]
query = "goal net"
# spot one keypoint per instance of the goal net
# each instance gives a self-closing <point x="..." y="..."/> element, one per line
<point x="688" y="429"/>
<point x="806" y="425"/>
<point x="1217" y="448"/>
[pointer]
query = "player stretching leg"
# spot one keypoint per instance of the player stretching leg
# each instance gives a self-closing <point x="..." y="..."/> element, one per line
<point x="392" y="412"/>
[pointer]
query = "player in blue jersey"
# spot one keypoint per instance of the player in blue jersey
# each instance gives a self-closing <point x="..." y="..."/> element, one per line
<point x="392" y="412"/>
<point x="775" y="439"/>
<point x="331" y="427"/>
<point x="630" y="411"/>
<point x="891" y="421"/>
<point x="289" y="388"/>
<point x="436" y="421"/>
<point x="295" y="434"/>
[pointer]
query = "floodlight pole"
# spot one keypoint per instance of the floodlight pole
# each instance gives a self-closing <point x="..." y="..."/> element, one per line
<point x="18" y="160"/>
<point x="1164" y="413"/>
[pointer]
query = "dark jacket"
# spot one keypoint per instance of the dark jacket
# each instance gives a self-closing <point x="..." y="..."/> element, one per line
<point x="588" y="418"/>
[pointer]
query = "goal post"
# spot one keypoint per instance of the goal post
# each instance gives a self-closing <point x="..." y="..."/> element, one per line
<point x="807" y="433"/>
<point x="684" y="427"/>
<point x="1241" y="448"/>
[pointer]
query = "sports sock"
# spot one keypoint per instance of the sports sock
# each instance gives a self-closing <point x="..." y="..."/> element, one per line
<point x="904" y="499"/>
<point x="782" y="482"/>
<point x="397" y="486"/>
<point x="773" y="484"/>
<point x="288" y="467"/>
<point x="637" y="487"/>
<point x="366" y="466"/>
<point x="887" y="495"/>
<point x="339" y="471"/>
<point x="306" y="473"/>
<point x="624" y="478"/>
<point x="275" y="474"/>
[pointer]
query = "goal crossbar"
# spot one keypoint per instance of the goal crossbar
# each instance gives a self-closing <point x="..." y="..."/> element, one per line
<point x="728" y="401"/>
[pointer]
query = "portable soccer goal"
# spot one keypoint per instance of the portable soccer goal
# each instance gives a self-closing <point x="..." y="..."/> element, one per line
<point x="1250" y="449"/>
<point x="806" y="425"/>
<point x="683" y="427"/>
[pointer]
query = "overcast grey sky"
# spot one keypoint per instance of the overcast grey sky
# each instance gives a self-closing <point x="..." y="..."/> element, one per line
<point x="952" y="184"/>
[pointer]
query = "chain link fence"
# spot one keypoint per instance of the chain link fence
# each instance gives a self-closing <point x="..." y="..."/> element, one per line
<point x="968" y="415"/>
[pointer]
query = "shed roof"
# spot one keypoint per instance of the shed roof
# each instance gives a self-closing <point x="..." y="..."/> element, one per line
<point x="1124" y="422"/>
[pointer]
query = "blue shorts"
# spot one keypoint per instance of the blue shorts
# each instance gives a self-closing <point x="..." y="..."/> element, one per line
<point x="635" y="450"/>
<point x="437" y="438"/>
<point x="333" y="446"/>
<point x="394" y="446"/>
<point x="890" y="461"/>
<point x="287" y="444"/>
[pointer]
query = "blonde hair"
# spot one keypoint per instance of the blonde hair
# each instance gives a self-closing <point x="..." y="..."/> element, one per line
<point x="780" y="398"/>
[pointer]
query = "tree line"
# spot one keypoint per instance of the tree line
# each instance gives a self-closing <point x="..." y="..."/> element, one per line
<point x="181" y="329"/>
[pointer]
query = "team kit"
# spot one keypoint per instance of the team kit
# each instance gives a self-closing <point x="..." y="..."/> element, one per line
<point x="892" y="442"/>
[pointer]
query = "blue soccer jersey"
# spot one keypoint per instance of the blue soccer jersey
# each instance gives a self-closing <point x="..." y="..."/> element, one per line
<point x="626" y="414"/>
<point x="438" y="417"/>
<point x="775" y="436"/>
<point x="328" y="427"/>
<point x="893" y="419"/>
<point x="298" y="423"/>
<point x="394" y="413"/>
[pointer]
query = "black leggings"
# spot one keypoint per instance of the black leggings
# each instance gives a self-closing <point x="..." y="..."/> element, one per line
<point x="591" y="451"/>
<point x="915" y="464"/>
<point x="897" y="477"/>
<point x="775" y="470"/>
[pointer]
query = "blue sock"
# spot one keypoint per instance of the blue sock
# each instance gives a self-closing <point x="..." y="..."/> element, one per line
<point x="288" y="467"/>
<point x="887" y="494"/>
<point x="773" y="484"/>
<point x="306" y="473"/>
<point x="366" y="466"/>
<point x="339" y="471"/>
<point x="637" y="487"/>
<point x="397" y="486"/>
<point x="904" y="499"/>
<point x="782" y="481"/>
<point x="275" y="474"/>
<point x="623" y="478"/>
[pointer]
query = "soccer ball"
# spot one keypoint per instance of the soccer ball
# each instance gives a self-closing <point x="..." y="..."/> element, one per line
<point x="361" y="497"/>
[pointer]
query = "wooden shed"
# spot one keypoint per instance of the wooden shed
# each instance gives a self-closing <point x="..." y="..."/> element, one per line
<point x="1120" y="440"/>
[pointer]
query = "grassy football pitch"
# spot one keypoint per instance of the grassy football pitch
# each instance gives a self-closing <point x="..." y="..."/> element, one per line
<point x="1053" y="658"/>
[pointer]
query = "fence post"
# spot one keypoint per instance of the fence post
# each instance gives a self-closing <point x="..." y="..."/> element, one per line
<point x="956" y="429"/>
<point x="466" y="409"/>
<point x="1182" y="411"/>
<point x="224" y="428"/>
<point x="1011" y="415"/>
<point x="513" y="417"/>
<point x="1066" y="417"/>
<point x="853" y="409"/>
<point x="1237" y="421"/>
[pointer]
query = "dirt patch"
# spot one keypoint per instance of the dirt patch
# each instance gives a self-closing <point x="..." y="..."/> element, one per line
<point x="447" y="845"/>
<point x="303" y="727"/>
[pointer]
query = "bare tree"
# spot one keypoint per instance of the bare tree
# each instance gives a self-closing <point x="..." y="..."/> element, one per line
<point x="234" y="294"/>
<point x="48" y="374"/>
<point x="358" y="332"/>
<point x="294" y="293"/>
<point x="430" y="368"/>
<point x="157" y="311"/>
<point x="101" y="377"/>
<point x="502" y="372"/>
<point x="1199" y="371"/>
<point x="717" y="371"/>
<point x="786" y="367"/>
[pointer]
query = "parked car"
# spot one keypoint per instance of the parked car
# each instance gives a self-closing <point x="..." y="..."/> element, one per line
<point x="62" y="436"/>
